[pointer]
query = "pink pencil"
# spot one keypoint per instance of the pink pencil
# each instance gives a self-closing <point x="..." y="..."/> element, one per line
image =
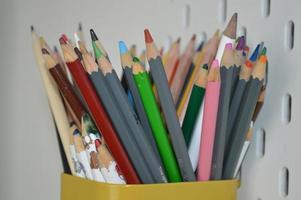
<point x="209" y="121"/>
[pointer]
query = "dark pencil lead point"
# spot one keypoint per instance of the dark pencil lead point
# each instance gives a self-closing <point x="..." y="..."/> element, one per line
<point x="178" y="40"/>
<point x="93" y="35"/>
<point x="200" y="47"/>
<point x="55" y="49"/>
<point x="193" y="37"/>
<point x="78" y="53"/>
<point x="45" y="51"/>
<point x="136" y="60"/>
<point x="31" y="28"/>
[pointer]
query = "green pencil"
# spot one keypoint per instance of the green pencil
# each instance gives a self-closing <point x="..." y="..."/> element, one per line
<point x="195" y="102"/>
<point x="152" y="110"/>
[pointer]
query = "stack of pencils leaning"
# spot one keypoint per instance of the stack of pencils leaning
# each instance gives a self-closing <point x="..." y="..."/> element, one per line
<point x="188" y="118"/>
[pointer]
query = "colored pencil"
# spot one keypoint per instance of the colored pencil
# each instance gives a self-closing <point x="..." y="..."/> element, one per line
<point x="106" y="163"/>
<point x="244" y="117"/>
<point x="133" y="50"/>
<point x="226" y="75"/>
<point x="95" y="39"/>
<point x="54" y="99"/>
<point x="240" y="87"/>
<point x="168" y="108"/>
<point x="211" y="102"/>
<point x="82" y="154"/>
<point x="195" y="141"/>
<point x="172" y="56"/>
<point x="126" y="62"/>
<point x="63" y="83"/>
<point x="210" y="49"/>
<point x="98" y="112"/>
<point x="176" y="86"/>
<point x="102" y="90"/>
<point x="90" y="148"/>
<point x="78" y="166"/>
<point x="195" y="102"/>
<point x="243" y="152"/>
<point x="156" y="122"/>
<point x="228" y="36"/>
<point x="188" y="83"/>
<point x="239" y="60"/>
<point x="137" y="132"/>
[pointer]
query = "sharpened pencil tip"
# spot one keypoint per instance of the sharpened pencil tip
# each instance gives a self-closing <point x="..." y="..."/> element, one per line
<point x="264" y="51"/>
<point x="62" y="41"/>
<point x="230" y="30"/>
<point x="148" y="37"/>
<point x="31" y="28"/>
<point x="45" y="51"/>
<point x="178" y="40"/>
<point x="93" y="35"/>
<point x="215" y="63"/>
<point x="78" y="53"/>
<point x="76" y="132"/>
<point x="228" y="46"/>
<point x="193" y="37"/>
<point x="55" y="49"/>
<point x="122" y="47"/>
<point x="241" y="43"/>
<point x="136" y="60"/>
<point x="263" y="59"/>
<point x="255" y="53"/>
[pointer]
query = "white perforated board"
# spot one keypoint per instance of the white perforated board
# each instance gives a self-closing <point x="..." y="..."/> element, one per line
<point x="31" y="169"/>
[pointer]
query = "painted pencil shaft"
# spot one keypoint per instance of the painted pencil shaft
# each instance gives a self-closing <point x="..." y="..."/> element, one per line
<point x="137" y="130"/>
<point x="195" y="142"/>
<point x="243" y="120"/>
<point x="158" y="127"/>
<point x="226" y="75"/>
<point x="140" y="109"/>
<point x="168" y="108"/>
<point x="102" y="122"/>
<point x="194" y="104"/>
<point x="120" y="126"/>
<point x="55" y="100"/>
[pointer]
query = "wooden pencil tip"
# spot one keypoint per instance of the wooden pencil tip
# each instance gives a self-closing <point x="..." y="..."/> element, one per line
<point x="78" y="53"/>
<point x="93" y="35"/>
<point x="62" y="41"/>
<point x="230" y="30"/>
<point x="215" y="63"/>
<point x="178" y="40"/>
<point x="31" y="28"/>
<point x="241" y="43"/>
<point x="55" y="49"/>
<point x="263" y="59"/>
<point x="193" y="37"/>
<point x="45" y="51"/>
<point x="148" y="37"/>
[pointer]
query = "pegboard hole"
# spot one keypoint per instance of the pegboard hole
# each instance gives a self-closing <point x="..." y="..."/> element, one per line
<point x="289" y="35"/>
<point x="286" y="108"/>
<point x="186" y="16"/>
<point x="260" y="143"/>
<point x="242" y="31"/>
<point x="284" y="182"/>
<point x="265" y="8"/>
<point x="222" y="11"/>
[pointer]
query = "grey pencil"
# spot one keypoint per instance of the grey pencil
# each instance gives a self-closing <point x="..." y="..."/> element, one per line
<point x="131" y="118"/>
<point x="239" y="59"/>
<point x="244" y="117"/>
<point x="168" y="108"/>
<point x="226" y="74"/>
<point x="243" y="80"/>
<point x="126" y="62"/>
<point x="99" y="83"/>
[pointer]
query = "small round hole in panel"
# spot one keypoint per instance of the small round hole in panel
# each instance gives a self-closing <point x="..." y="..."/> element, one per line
<point x="260" y="143"/>
<point x="289" y="34"/>
<point x="283" y="182"/>
<point x="222" y="11"/>
<point x="265" y="8"/>
<point x="286" y="109"/>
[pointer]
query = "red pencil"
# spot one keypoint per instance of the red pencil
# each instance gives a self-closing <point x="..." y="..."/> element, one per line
<point x="98" y="112"/>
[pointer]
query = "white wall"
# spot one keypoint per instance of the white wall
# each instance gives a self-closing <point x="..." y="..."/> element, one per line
<point x="30" y="162"/>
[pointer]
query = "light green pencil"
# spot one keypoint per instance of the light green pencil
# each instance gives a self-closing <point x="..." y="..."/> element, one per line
<point x="152" y="110"/>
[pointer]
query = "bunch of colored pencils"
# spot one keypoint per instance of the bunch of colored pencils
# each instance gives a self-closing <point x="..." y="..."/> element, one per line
<point x="129" y="130"/>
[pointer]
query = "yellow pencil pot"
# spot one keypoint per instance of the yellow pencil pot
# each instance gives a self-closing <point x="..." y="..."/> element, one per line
<point x="74" y="188"/>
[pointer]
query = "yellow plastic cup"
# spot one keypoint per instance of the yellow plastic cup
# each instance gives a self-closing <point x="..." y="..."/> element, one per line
<point x="75" y="188"/>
